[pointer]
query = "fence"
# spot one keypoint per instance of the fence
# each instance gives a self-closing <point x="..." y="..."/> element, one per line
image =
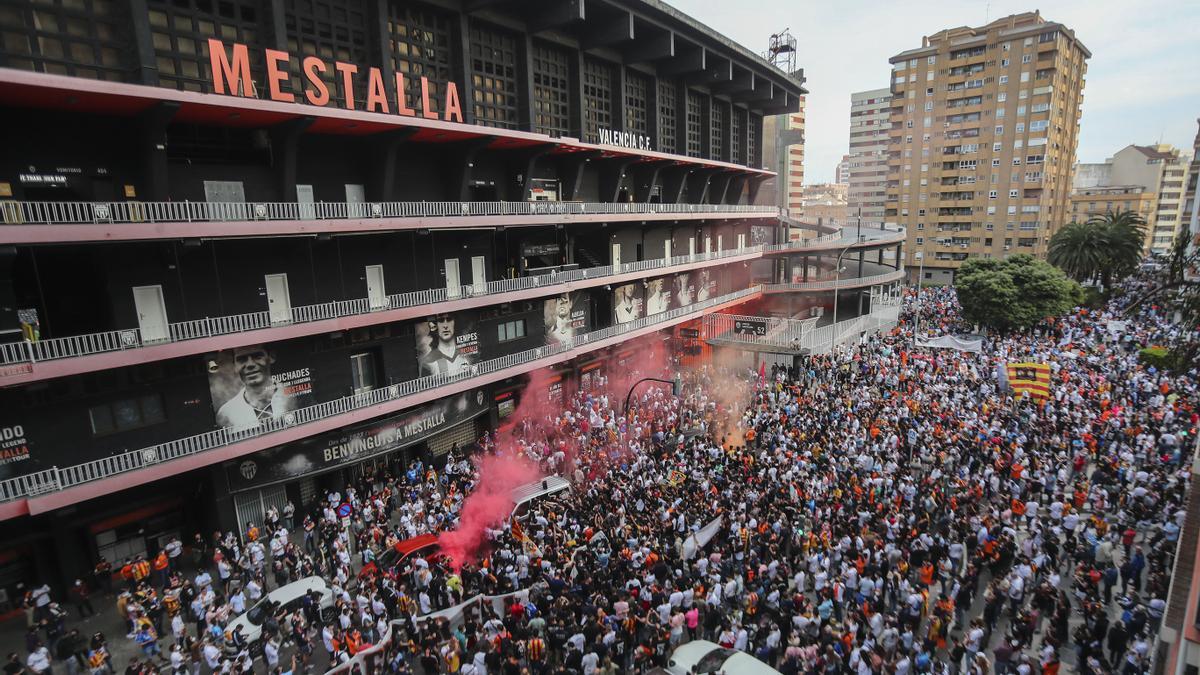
<point x="843" y="282"/>
<point x="132" y="338"/>
<point x="66" y="213"/>
<point x="61" y="478"/>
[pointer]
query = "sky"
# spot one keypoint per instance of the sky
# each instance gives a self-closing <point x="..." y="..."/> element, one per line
<point x="1142" y="84"/>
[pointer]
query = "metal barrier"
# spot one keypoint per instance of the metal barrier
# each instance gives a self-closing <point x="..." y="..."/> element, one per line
<point x="843" y="282"/>
<point x="66" y="213"/>
<point x="61" y="478"/>
<point x="117" y="340"/>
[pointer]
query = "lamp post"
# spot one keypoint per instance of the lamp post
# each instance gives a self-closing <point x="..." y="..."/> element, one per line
<point x="837" y="278"/>
<point x="920" y="277"/>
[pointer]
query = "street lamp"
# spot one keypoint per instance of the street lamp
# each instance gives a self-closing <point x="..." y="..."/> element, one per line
<point x="837" y="278"/>
<point x="920" y="277"/>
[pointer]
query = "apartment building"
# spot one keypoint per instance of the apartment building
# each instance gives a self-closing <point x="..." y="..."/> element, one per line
<point x="841" y="173"/>
<point x="1190" y="213"/>
<point x="1148" y="179"/>
<point x="867" y="163"/>
<point x="984" y="128"/>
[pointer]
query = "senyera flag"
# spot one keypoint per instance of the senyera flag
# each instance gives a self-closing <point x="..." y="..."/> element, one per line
<point x="1029" y="378"/>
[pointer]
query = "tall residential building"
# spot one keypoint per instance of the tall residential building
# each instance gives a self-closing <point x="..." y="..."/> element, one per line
<point x="868" y="158"/>
<point x="795" y="161"/>
<point x="841" y="173"/>
<point x="783" y="153"/>
<point x="1190" y="215"/>
<point x="1147" y="179"/>
<point x="985" y="123"/>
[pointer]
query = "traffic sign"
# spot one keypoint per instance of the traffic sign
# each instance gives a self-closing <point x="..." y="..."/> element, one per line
<point x="344" y="510"/>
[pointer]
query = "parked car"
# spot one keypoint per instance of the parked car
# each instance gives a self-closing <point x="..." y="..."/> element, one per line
<point x="702" y="656"/>
<point x="285" y="598"/>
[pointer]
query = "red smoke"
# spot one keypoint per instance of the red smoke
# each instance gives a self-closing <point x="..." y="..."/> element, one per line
<point x="488" y="505"/>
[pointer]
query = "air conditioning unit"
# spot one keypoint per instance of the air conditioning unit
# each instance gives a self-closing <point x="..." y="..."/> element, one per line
<point x="962" y="245"/>
<point x="817" y="311"/>
<point x="1006" y="248"/>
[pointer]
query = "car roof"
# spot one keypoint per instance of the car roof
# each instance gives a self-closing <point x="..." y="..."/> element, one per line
<point x="408" y="546"/>
<point x="546" y="486"/>
<point x="296" y="589"/>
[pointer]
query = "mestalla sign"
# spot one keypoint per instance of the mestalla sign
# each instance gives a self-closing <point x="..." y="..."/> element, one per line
<point x="354" y="444"/>
<point x="230" y="71"/>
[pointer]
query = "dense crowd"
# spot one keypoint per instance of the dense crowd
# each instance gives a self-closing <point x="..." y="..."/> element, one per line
<point x="883" y="509"/>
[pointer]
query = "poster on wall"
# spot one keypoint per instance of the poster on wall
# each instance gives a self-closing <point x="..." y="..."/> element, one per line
<point x="554" y="392"/>
<point x="658" y="296"/>
<point x="354" y="444"/>
<point x="14" y="451"/>
<point x="255" y="383"/>
<point x="761" y="234"/>
<point x="706" y="285"/>
<point x="627" y="302"/>
<point x="566" y="316"/>
<point x="446" y="344"/>
<point x="685" y="290"/>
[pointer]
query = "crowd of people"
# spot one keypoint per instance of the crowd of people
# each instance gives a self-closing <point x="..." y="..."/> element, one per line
<point x="881" y="509"/>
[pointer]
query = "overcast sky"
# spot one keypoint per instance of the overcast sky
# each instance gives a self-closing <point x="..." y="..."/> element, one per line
<point x="1143" y="80"/>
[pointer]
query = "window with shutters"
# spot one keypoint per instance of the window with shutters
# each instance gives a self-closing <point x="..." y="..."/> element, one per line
<point x="668" y="114"/>
<point x="180" y="30"/>
<point x="494" y="76"/>
<point x="717" y="130"/>
<point x="752" y="143"/>
<point x="335" y="30"/>
<point x="637" y="119"/>
<point x="83" y="38"/>
<point x="597" y="98"/>
<point x="420" y="46"/>
<point x="737" y="125"/>
<point x="551" y="90"/>
<point x="695" y="122"/>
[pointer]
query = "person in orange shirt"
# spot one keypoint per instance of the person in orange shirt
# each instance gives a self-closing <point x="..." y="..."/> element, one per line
<point x="161" y="567"/>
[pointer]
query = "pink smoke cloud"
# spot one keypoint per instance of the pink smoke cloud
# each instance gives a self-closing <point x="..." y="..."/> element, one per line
<point x="488" y="505"/>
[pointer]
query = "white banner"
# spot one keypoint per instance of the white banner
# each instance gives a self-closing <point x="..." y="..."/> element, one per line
<point x="700" y="538"/>
<point x="963" y="344"/>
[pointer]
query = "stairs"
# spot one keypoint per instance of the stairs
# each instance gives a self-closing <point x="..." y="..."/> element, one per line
<point x="585" y="258"/>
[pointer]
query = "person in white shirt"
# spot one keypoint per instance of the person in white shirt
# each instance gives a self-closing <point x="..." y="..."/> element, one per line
<point x="39" y="659"/>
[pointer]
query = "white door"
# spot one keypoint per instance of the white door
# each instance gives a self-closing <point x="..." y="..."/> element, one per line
<point x="279" y="302"/>
<point x="720" y="239"/>
<point x="741" y="241"/>
<point x="356" y="197"/>
<point x="478" y="275"/>
<point x="152" y="313"/>
<point x="376" y="291"/>
<point x="304" y="199"/>
<point x="691" y="246"/>
<point x="707" y="244"/>
<point x="225" y="200"/>
<point x="453" y="284"/>
<point x="667" y="249"/>
<point x="616" y="256"/>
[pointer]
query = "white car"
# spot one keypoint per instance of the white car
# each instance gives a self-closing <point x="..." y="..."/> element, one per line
<point x="702" y="656"/>
<point x="289" y="598"/>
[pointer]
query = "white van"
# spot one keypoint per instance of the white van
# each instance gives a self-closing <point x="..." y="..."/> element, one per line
<point x="526" y="494"/>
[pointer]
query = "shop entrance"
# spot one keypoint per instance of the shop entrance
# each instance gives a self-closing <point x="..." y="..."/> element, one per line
<point x="252" y="504"/>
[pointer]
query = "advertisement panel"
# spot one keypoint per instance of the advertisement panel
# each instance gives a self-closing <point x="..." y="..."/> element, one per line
<point x="14" y="451"/>
<point x="627" y="302"/>
<point x="446" y="344"/>
<point x="658" y="296"/>
<point x="756" y="327"/>
<point x="684" y="292"/>
<point x="257" y="382"/>
<point x="354" y="444"/>
<point x="706" y="285"/>
<point x="566" y="315"/>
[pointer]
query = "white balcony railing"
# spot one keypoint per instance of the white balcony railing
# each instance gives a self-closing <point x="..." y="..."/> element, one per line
<point x="67" y="213"/>
<point x="117" y="340"/>
<point x="843" y="282"/>
<point x="57" y="478"/>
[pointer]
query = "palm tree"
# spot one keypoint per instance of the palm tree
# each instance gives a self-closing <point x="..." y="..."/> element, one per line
<point x="1101" y="249"/>
<point x="1125" y="232"/>
<point x="1079" y="249"/>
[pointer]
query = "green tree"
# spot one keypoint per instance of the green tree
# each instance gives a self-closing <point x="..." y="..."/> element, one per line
<point x="1014" y="293"/>
<point x="1103" y="249"/>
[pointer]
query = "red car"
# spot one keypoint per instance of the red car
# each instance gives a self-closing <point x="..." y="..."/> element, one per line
<point x="400" y="552"/>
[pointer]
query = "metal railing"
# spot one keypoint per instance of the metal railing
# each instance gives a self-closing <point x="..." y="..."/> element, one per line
<point x="843" y="282"/>
<point x="779" y="332"/>
<point x="819" y="340"/>
<point x="868" y="236"/>
<point x="61" y="478"/>
<point x="65" y="213"/>
<point x="132" y="338"/>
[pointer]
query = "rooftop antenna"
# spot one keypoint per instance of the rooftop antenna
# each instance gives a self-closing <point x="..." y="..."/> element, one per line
<point x="781" y="51"/>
